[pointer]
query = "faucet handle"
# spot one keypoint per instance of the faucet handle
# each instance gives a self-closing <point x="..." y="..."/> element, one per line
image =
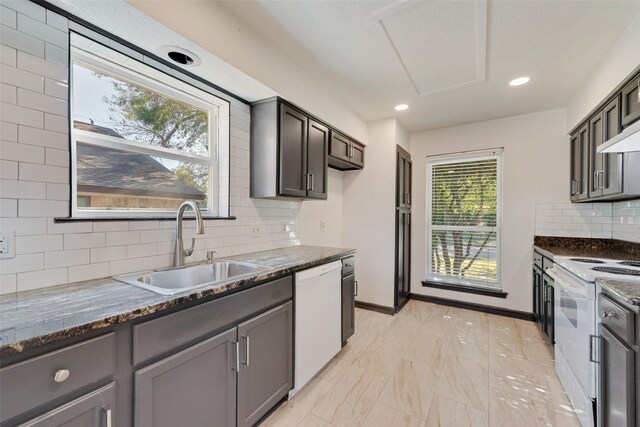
<point x="188" y="252"/>
<point x="211" y="257"/>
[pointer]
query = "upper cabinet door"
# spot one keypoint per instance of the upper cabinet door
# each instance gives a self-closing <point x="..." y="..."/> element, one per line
<point x="317" y="152"/>
<point x="612" y="177"/>
<point x="596" y="160"/>
<point x="357" y="154"/>
<point x="293" y="152"/>
<point x="631" y="102"/>
<point x="583" y="155"/>
<point x="575" y="167"/>
<point x="339" y="147"/>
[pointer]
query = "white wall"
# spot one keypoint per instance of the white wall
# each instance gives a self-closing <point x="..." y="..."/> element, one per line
<point x="314" y="214"/>
<point x="536" y="159"/>
<point x="621" y="60"/>
<point x="368" y="215"/>
<point x="216" y="29"/>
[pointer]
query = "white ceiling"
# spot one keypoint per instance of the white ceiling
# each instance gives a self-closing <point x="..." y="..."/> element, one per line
<point x="450" y="60"/>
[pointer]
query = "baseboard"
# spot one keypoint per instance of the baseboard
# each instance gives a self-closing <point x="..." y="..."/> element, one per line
<point x="477" y="307"/>
<point x="375" y="307"/>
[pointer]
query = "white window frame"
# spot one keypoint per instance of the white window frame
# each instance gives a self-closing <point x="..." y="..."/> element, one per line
<point x="103" y="59"/>
<point x="498" y="154"/>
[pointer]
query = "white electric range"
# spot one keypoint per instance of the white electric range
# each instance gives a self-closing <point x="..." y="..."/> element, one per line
<point x="576" y="321"/>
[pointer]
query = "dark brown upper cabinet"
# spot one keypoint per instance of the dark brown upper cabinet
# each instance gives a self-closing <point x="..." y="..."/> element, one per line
<point x="631" y="102"/>
<point x="289" y="152"/>
<point x="606" y="176"/>
<point x="345" y="153"/>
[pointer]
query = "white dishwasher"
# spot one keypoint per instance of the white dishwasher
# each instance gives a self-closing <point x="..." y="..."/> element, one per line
<point x="317" y="320"/>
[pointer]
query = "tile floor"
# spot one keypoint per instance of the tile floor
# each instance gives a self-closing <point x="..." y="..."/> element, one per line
<point x="432" y="365"/>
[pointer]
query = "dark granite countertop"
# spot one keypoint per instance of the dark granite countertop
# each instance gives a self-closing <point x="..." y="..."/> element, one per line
<point x="34" y="318"/>
<point x="627" y="290"/>
<point x="587" y="248"/>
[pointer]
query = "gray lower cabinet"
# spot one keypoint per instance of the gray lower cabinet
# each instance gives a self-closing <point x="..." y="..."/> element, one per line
<point x="91" y="410"/>
<point x="348" y="307"/>
<point x="195" y="387"/>
<point x="266" y="363"/>
<point x="616" y="400"/>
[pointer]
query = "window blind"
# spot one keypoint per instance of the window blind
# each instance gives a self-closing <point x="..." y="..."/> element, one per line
<point x="463" y="219"/>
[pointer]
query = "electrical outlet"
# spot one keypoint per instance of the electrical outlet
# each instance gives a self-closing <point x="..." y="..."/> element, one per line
<point x="7" y="244"/>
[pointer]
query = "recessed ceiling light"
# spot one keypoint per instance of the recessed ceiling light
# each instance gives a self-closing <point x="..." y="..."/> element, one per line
<point x="401" y="107"/>
<point x="519" y="81"/>
<point x="180" y="56"/>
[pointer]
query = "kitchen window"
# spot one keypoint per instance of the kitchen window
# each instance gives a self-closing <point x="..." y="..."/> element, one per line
<point x="464" y="203"/>
<point x="142" y="141"/>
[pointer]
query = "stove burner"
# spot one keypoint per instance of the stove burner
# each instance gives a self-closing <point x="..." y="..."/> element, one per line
<point x="617" y="270"/>
<point x="587" y="260"/>
<point x="630" y="263"/>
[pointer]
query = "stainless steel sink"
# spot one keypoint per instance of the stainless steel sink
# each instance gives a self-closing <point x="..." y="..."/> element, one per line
<point x="177" y="280"/>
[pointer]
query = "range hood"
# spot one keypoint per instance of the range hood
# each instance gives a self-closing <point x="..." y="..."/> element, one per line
<point x="628" y="140"/>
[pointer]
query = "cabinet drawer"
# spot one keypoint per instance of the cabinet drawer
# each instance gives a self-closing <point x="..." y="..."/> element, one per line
<point x="537" y="259"/>
<point x="165" y="333"/>
<point x="31" y="383"/>
<point x="546" y="263"/>
<point x="617" y="318"/>
<point x="348" y="266"/>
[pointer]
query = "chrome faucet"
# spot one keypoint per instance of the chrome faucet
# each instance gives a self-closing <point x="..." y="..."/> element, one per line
<point x="179" y="253"/>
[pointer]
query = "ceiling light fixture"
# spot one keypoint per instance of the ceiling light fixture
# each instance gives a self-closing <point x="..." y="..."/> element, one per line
<point x="519" y="81"/>
<point x="401" y="107"/>
<point x="180" y="56"/>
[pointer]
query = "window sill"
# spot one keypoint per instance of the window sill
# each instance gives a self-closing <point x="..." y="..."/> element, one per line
<point x="465" y="289"/>
<point x="149" y="218"/>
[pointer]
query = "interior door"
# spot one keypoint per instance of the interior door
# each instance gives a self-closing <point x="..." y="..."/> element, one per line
<point x="293" y="152"/>
<point x="403" y="228"/>
<point x="317" y="153"/>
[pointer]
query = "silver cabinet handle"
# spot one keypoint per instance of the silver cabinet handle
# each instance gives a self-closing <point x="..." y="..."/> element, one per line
<point x="246" y="362"/>
<point x="591" y="348"/>
<point x="237" y="346"/>
<point x="61" y="376"/>
<point x="108" y="417"/>
<point x="312" y="182"/>
<point x="355" y="288"/>
<point x="605" y="314"/>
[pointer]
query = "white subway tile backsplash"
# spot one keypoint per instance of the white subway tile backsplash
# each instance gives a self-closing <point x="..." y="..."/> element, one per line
<point x="22" y="115"/>
<point x="21" y="41"/>
<point x="43" y="138"/>
<point x="8" y="169"/>
<point x="88" y="272"/>
<point x="13" y="189"/>
<point x="35" y="187"/>
<point x="66" y="258"/>
<point x="110" y="253"/>
<point x="41" y="243"/>
<point x="618" y="220"/>
<point x="43" y="67"/>
<point x="22" y="153"/>
<point x="44" y="173"/>
<point x="41" y="278"/>
<point x="22" y="263"/>
<point x="8" y="17"/>
<point x="42" y="31"/>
